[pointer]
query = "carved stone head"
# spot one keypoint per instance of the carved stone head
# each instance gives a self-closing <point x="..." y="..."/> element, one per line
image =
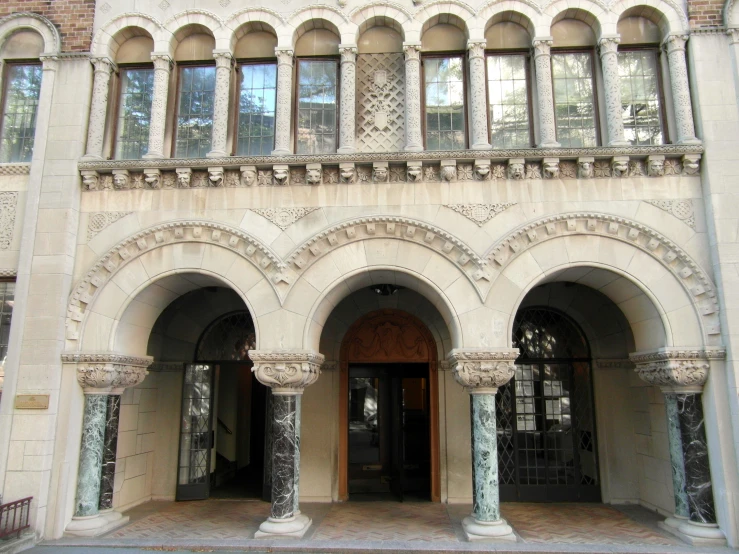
<point x="281" y="175"/>
<point x="414" y="172"/>
<point x="120" y="179"/>
<point x="691" y="166"/>
<point x="215" y="175"/>
<point x="152" y="178"/>
<point x="551" y="169"/>
<point x="347" y="174"/>
<point x="585" y="169"/>
<point x="655" y="167"/>
<point x="379" y="174"/>
<point x="313" y="175"/>
<point x="619" y="168"/>
<point x="90" y="180"/>
<point x="448" y="172"/>
<point x="516" y="170"/>
<point x="183" y="178"/>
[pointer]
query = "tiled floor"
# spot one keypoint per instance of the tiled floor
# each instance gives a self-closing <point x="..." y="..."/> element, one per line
<point x="574" y="524"/>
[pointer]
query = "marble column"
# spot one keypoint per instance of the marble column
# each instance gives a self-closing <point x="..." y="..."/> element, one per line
<point x="478" y="95"/>
<point x="98" y="108"/>
<point x="287" y="373"/>
<point x="413" y="136"/>
<point x="481" y="372"/>
<point x="283" y="108"/>
<point x="612" y="88"/>
<point x="675" y="47"/>
<point x="160" y="93"/>
<point x="223" y="60"/>
<point x="681" y="375"/>
<point x="103" y="377"/>
<point x="544" y="97"/>
<point x="347" y="102"/>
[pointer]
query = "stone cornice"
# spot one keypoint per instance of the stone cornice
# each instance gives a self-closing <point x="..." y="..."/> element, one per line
<point x="107" y="372"/>
<point x="483" y="370"/>
<point x="286" y="372"/>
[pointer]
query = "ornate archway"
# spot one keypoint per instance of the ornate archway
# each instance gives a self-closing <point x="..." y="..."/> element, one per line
<point x="388" y="337"/>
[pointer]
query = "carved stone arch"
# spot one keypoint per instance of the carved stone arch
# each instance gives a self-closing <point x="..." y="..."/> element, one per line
<point x="595" y="13"/>
<point x="430" y="236"/>
<point x="105" y="43"/>
<point x="494" y="12"/>
<point x="666" y="14"/>
<point x="730" y="21"/>
<point x="34" y="22"/>
<point x="88" y="289"/>
<point x="300" y="22"/>
<point x="428" y="15"/>
<point x="692" y="279"/>
<point x="394" y="15"/>
<point x="202" y="18"/>
<point x="248" y="19"/>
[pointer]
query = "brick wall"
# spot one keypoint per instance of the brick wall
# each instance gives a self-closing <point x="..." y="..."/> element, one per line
<point x="73" y="18"/>
<point x="705" y="13"/>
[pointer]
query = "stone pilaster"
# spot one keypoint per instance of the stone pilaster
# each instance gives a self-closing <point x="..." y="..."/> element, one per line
<point x="413" y="116"/>
<point x="287" y="373"/>
<point x="347" y="117"/>
<point x="223" y="60"/>
<point x="612" y="87"/>
<point x="98" y="108"/>
<point x="160" y="92"/>
<point x="545" y="99"/>
<point x="478" y="95"/>
<point x="481" y="372"/>
<point x="675" y="47"/>
<point x="102" y="378"/>
<point x="681" y="374"/>
<point x="283" y="108"/>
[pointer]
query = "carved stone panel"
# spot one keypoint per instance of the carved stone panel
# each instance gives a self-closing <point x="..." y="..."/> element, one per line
<point x="380" y="102"/>
<point x="387" y="336"/>
<point x="8" y="201"/>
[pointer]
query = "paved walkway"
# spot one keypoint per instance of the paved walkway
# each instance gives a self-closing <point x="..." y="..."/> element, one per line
<point x="227" y="525"/>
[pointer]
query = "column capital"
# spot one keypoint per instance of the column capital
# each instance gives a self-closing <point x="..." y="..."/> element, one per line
<point x="542" y="46"/>
<point x="608" y="44"/>
<point x="412" y="50"/>
<point x="284" y="55"/>
<point x="676" y="369"/>
<point x="287" y="372"/>
<point x="49" y="63"/>
<point x="223" y="58"/>
<point x="108" y="372"/>
<point x="733" y="35"/>
<point x="674" y="42"/>
<point x="103" y="64"/>
<point x="476" y="48"/>
<point x="348" y="53"/>
<point x="483" y="370"/>
<point x="162" y="60"/>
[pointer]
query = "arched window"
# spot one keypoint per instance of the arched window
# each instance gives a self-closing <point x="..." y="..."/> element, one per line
<point x="228" y="338"/>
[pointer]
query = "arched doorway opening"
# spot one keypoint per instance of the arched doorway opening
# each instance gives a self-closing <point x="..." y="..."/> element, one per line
<point x="389" y="445"/>
<point x="546" y="425"/>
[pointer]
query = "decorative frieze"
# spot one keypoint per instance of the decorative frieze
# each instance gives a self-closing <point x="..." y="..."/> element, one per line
<point x="284" y="217"/>
<point x="8" y="203"/>
<point x="480" y="213"/>
<point x="681" y="209"/>
<point x="15" y="169"/>
<point x="100" y="220"/>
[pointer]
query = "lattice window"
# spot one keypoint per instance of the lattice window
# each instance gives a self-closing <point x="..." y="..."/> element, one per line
<point x="380" y="90"/>
<point x="227" y="338"/>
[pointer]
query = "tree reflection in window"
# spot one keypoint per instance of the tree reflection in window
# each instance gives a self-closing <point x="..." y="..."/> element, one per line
<point x="256" y="129"/>
<point x="317" y="106"/>
<point x="18" y="125"/>
<point x="228" y="338"/>
<point x="134" y="114"/>
<point x="543" y="333"/>
<point x="444" y="82"/>
<point x="509" y="102"/>
<point x="640" y="97"/>
<point x="195" y="111"/>
<point x="574" y="101"/>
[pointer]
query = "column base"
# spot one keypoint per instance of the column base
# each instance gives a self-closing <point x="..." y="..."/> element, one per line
<point x="292" y="528"/>
<point x="481" y="146"/>
<point x="152" y="156"/>
<point x="475" y="530"/>
<point x="549" y="145"/>
<point x="90" y="158"/>
<point x="216" y="154"/>
<point x="346" y="150"/>
<point x="691" y="141"/>
<point x="695" y="534"/>
<point x="619" y="143"/>
<point x="412" y="148"/>
<point x="281" y="152"/>
<point x="94" y="526"/>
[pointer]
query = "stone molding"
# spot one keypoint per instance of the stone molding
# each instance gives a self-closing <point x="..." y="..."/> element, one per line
<point x="483" y="370"/>
<point x="15" y="169"/>
<point x="284" y="217"/>
<point x="286" y="372"/>
<point x="480" y="213"/>
<point x="108" y="372"/>
<point x="100" y="220"/>
<point x="693" y="278"/>
<point x="675" y="369"/>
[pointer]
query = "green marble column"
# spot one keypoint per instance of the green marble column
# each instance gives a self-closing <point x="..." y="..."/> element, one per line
<point x="91" y="455"/>
<point x="485" y="491"/>
<point x="677" y="460"/>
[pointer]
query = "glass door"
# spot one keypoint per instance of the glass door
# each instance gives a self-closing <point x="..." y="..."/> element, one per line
<point x="196" y="435"/>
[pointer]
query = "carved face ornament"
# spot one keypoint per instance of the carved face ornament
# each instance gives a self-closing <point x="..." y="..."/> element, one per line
<point x="414" y="173"/>
<point x="281" y="176"/>
<point x="183" y="180"/>
<point x="619" y="168"/>
<point x="216" y="177"/>
<point x="482" y="171"/>
<point x="120" y="181"/>
<point x="347" y="175"/>
<point x="379" y="174"/>
<point x="313" y="177"/>
<point x="516" y="171"/>
<point x="656" y="168"/>
<point x="551" y="170"/>
<point x="248" y="177"/>
<point x="90" y="181"/>
<point x="585" y="169"/>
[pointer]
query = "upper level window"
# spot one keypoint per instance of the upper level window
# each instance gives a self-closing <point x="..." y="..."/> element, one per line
<point x="134" y="113"/>
<point x="317" y="99"/>
<point x="574" y="99"/>
<point x="508" y="98"/>
<point x="444" y="99"/>
<point x="640" y="96"/>
<point x="195" y="111"/>
<point x="20" y="103"/>
<point x="257" y="98"/>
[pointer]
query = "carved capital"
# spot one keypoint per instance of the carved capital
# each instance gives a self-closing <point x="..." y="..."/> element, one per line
<point x="609" y="45"/>
<point x="733" y="35"/>
<point x="674" y="43"/>
<point x="482" y="371"/>
<point x="676" y="370"/>
<point x="286" y="372"/>
<point x="476" y="48"/>
<point x="223" y="58"/>
<point x="108" y="372"/>
<point x="542" y="46"/>
<point x="161" y="61"/>
<point x="412" y="51"/>
<point x="103" y="65"/>
<point x="284" y="56"/>
<point x="348" y="53"/>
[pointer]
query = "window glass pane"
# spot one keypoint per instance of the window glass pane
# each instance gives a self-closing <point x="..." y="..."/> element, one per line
<point x="508" y="102"/>
<point x="195" y="111"/>
<point x="640" y="98"/>
<point x="317" y="106"/>
<point x="23" y="83"/>
<point x="257" y="97"/>
<point x="134" y="114"/>
<point x="574" y="104"/>
<point x="444" y="94"/>
<point x="7" y="297"/>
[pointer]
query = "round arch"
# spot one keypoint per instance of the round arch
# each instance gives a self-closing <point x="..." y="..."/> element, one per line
<point x="667" y="16"/>
<point x="365" y="18"/>
<point x="524" y="13"/>
<point x="305" y="19"/>
<point x="253" y="19"/>
<point x="108" y="39"/>
<point x="592" y="12"/>
<point x="34" y="22"/>
<point x="203" y="19"/>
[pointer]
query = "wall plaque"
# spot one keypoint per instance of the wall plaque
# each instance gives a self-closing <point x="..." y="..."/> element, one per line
<point x="31" y="401"/>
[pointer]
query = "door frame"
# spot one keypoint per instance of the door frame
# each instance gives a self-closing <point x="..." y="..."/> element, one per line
<point x="427" y="354"/>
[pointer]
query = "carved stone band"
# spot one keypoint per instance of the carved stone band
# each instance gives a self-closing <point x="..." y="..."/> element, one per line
<point x="108" y="373"/>
<point x="286" y="372"/>
<point x="676" y="370"/>
<point x="482" y="371"/>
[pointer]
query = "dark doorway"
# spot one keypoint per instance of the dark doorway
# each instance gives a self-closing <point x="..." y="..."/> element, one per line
<point x="546" y="427"/>
<point x="389" y="447"/>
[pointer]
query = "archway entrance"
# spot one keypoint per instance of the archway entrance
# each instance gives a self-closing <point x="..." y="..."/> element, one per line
<point x="546" y="427"/>
<point x="389" y="445"/>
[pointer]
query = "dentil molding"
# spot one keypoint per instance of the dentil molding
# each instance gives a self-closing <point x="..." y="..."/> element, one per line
<point x="483" y="371"/>
<point x="108" y="373"/>
<point x="286" y="371"/>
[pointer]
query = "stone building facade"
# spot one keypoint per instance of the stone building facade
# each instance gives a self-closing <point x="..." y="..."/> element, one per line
<point x="239" y="236"/>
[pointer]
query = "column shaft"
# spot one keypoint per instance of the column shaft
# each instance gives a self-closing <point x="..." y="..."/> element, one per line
<point x="677" y="460"/>
<point x="413" y="137"/>
<point x="160" y="92"/>
<point x="612" y="86"/>
<point x="110" y="448"/>
<point x="485" y="490"/>
<point x="220" y="104"/>
<point x="543" y="64"/>
<point x="296" y="488"/>
<point x="284" y="451"/>
<point x="478" y="95"/>
<point x="675" y="45"/>
<point x="98" y="108"/>
<point x="91" y="455"/>
<point x="347" y="121"/>
<point x="283" y="109"/>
